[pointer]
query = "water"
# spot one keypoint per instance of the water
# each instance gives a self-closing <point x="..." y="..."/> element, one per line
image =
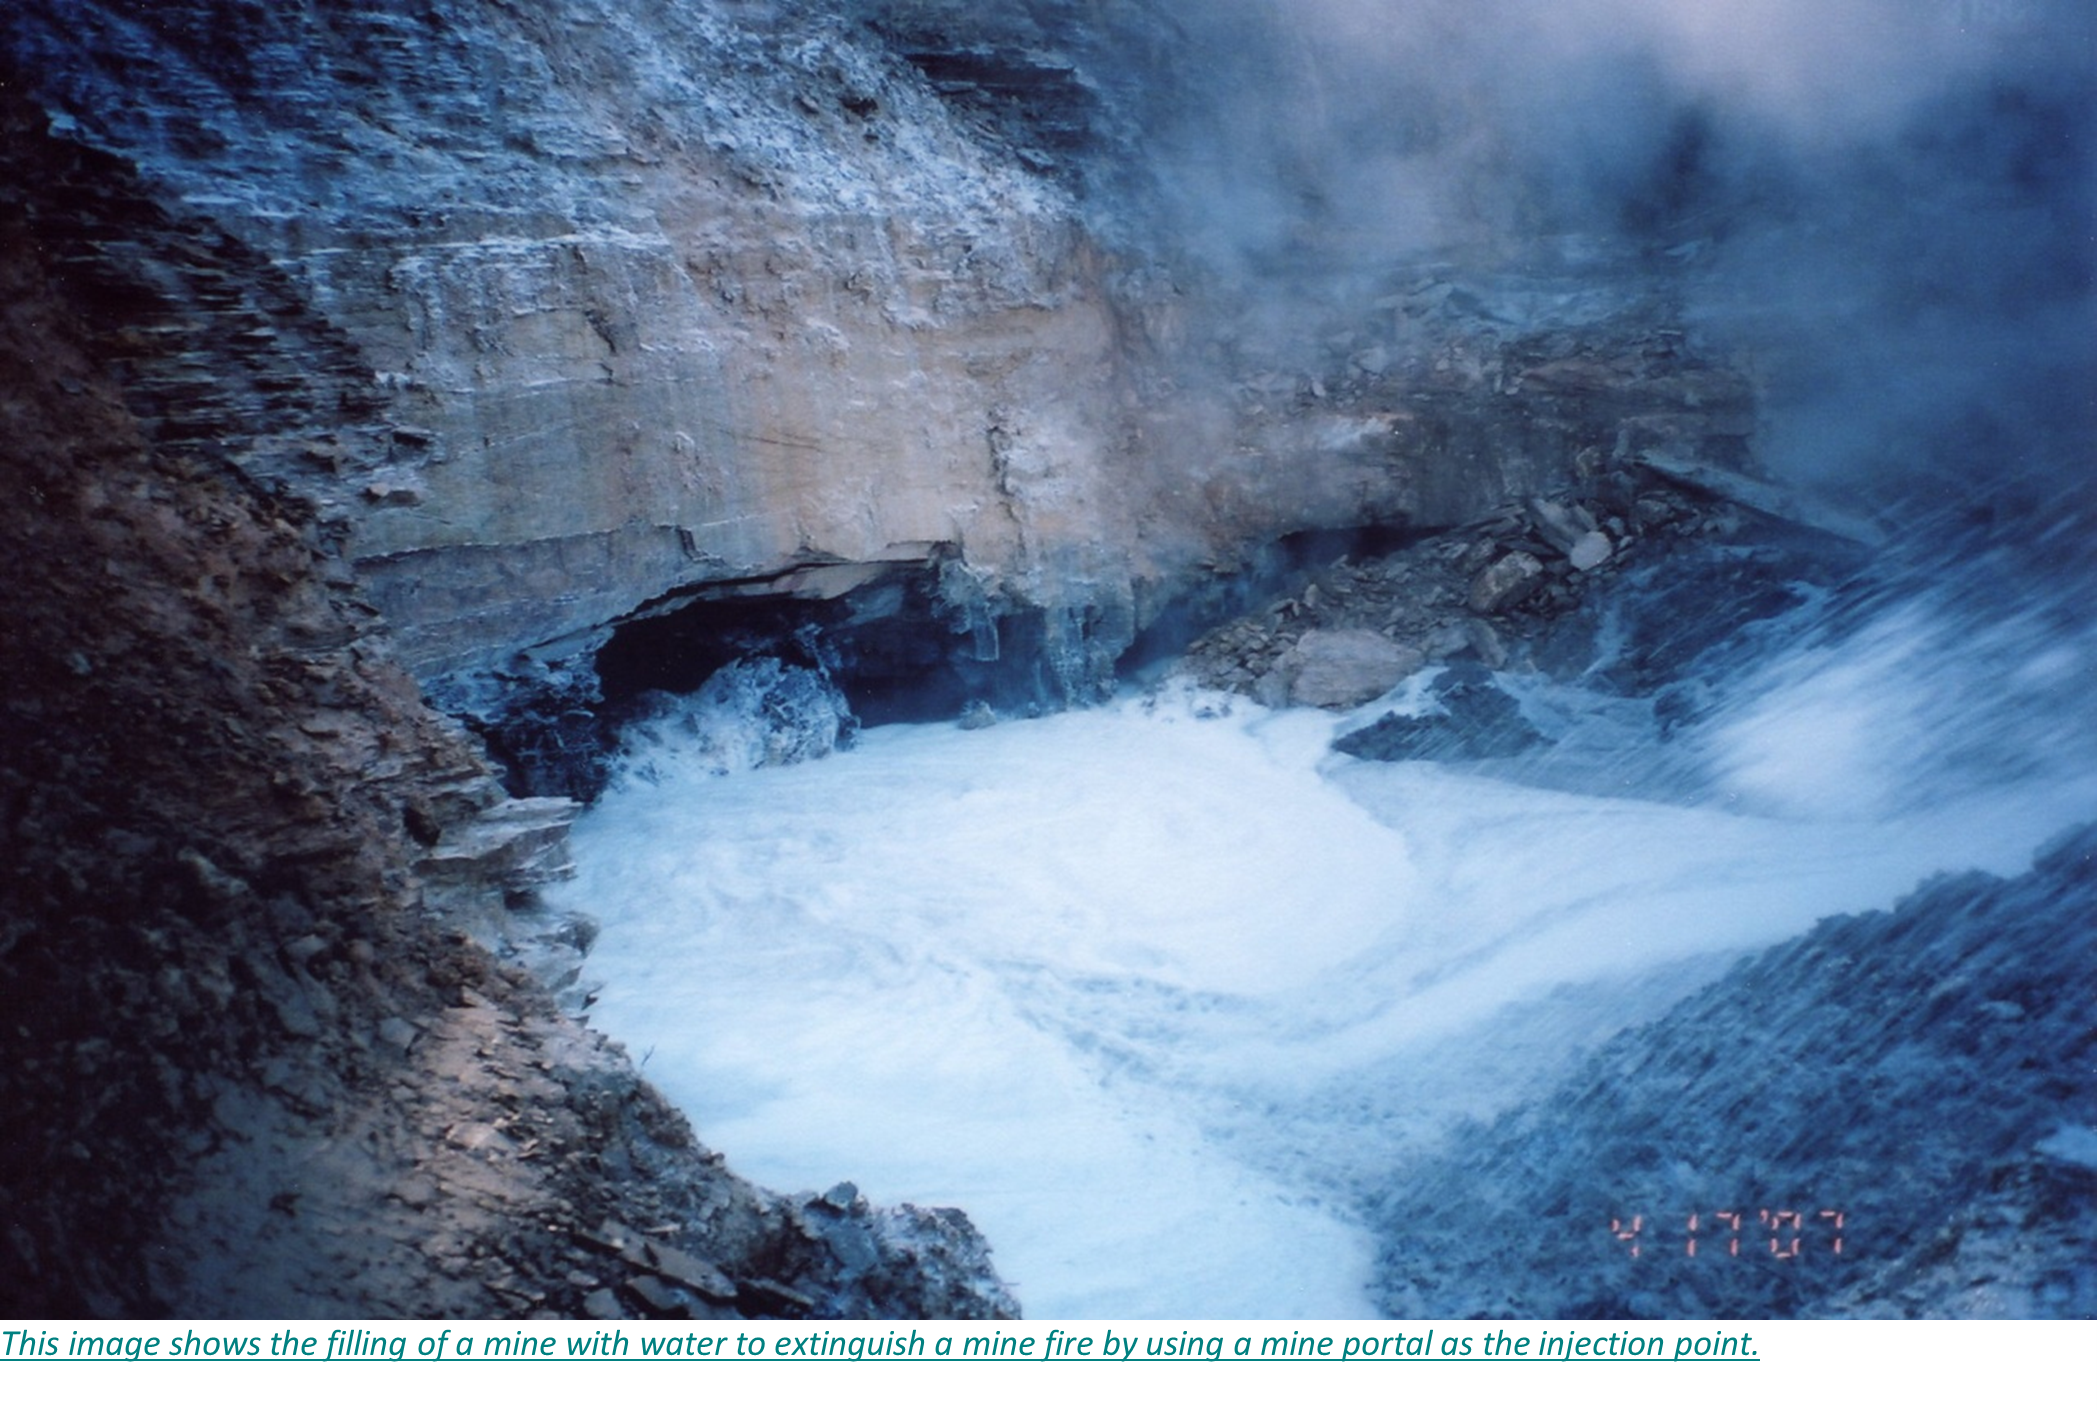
<point x="1154" y="990"/>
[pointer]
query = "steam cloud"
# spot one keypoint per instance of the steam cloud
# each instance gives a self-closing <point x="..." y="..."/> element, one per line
<point x="1892" y="204"/>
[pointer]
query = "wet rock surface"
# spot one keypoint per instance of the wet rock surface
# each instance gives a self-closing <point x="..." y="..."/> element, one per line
<point x="1478" y="720"/>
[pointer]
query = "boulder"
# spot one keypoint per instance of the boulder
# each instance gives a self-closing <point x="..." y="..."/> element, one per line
<point x="1562" y="525"/>
<point x="1590" y="551"/>
<point x="1338" y="670"/>
<point x="1505" y="582"/>
<point x="1485" y="643"/>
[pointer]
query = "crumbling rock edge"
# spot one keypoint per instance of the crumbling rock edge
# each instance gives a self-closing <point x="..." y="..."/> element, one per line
<point x="270" y="1043"/>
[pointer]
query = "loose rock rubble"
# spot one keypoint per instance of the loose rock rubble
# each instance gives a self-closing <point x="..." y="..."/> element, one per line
<point x="1485" y="591"/>
<point x="1478" y="721"/>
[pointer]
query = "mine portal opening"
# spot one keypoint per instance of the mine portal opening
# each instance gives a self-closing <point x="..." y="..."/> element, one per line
<point x="901" y="648"/>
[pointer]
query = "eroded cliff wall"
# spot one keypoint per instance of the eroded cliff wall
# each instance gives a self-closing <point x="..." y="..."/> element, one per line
<point x="619" y="298"/>
<point x="563" y="313"/>
<point x="257" y="1055"/>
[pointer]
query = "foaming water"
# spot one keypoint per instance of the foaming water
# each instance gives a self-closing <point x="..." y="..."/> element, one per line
<point x="1152" y="990"/>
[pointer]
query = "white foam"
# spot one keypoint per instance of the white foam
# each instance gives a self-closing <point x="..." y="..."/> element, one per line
<point x="1133" y="985"/>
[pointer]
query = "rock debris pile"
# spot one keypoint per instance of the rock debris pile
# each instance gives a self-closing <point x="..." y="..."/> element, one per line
<point x="1486" y="591"/>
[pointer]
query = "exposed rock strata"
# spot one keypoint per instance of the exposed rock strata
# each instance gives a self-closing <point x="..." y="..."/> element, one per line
<point x="567" y="318"/>
<point x="509" y="327"/>
<point x="619" y="302"/>
<point x="258" y="1055"/>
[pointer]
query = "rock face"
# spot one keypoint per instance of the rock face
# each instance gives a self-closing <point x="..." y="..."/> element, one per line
<point x="635" y="299"/>
<point x="270" y="1039"/>
<point x="558" y="318"/>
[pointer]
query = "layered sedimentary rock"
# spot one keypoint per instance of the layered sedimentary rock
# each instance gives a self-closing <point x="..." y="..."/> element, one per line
<point x="614" y="301"/>
<point x="259" y="1050"/>
<point x="561" y="315"/>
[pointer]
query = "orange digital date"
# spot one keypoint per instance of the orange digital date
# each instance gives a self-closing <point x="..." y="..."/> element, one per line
<point x="1786" y="1231"/>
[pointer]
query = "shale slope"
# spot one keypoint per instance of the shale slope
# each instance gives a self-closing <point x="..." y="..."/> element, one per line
<point x="256" y="1055"/>
<point x="1886" y="1117"/>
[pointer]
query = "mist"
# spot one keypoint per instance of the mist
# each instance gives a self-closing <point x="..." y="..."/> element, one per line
<point x="1886" y="210"/>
